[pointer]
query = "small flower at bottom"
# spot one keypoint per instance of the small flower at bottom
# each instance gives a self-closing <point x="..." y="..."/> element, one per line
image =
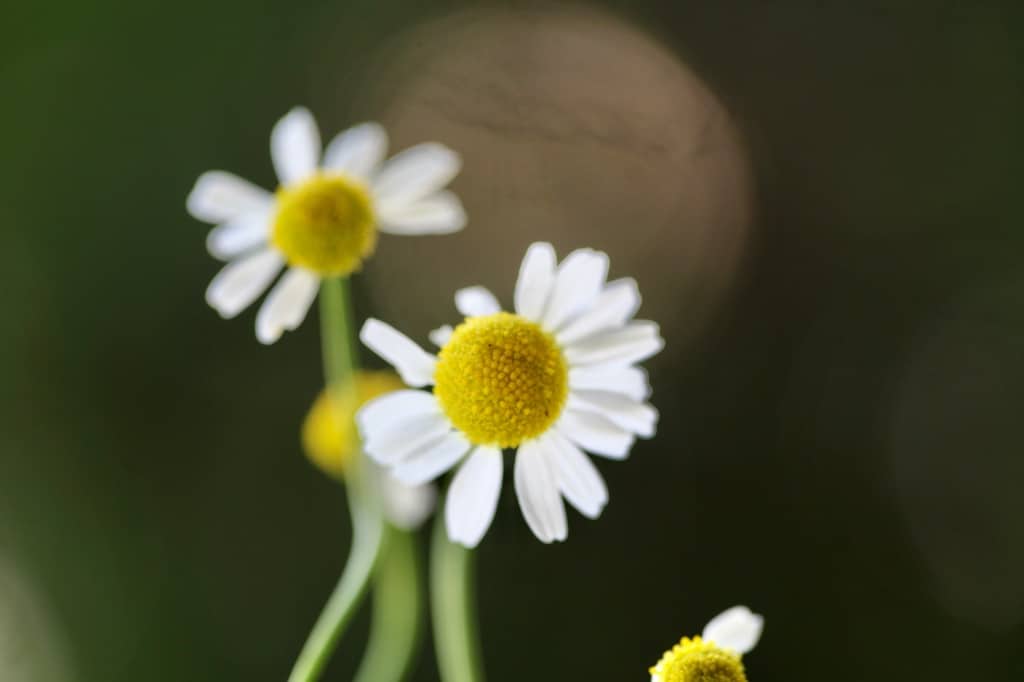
<point x="715" y="656"/>
<point x="330" y="441"/>
<point x="324" y="219"/>
<point x="553" y="379"/>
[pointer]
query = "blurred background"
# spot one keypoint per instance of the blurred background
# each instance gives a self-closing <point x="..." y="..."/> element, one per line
<point x="821" y="202"/>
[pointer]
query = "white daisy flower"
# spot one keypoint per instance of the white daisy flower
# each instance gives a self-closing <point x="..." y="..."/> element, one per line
<point x="324" y="218"/>
<point x="330" y="441"/>
<point x="553" y="379"/>
<point x="715" y="655"/>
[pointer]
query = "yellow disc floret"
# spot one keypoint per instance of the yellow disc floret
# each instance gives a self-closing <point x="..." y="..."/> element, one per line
<point x="329" y="435"/>
<point x="501" y="379"/>
<point x="694" y="660"/>
<point x="325" y="224"/>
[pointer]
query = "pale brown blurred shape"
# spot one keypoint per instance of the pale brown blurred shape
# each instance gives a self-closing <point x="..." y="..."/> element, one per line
<point x="956" y="460"/>
<point x="574" y="128"/>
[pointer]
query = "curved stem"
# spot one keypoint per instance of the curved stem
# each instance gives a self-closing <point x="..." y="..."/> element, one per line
<point x="367" y="538"/>
<point x="397" y="607"/>
<point x="454" y="608"/>
<point x="367" y="523"/>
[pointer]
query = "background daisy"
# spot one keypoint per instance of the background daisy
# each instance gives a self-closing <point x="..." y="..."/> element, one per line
<point x="552" y="380"/>
<point x="324" y="218"/>
<point x="330" y="441"/>
<point x="715" y="655"/>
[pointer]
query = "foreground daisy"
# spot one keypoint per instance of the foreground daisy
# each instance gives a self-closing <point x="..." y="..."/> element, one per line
<point x="715" y="655"/>
<point x="330" y="441"/>
<point x="324" y="218"/>
<point x="552" y="379"/>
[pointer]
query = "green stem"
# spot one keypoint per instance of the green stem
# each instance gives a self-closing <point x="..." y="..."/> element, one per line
<point x="337" y="336"/>
<point x="397" y="608"/>
<point x="454" y="608"/>
<point x="367" y="523"/>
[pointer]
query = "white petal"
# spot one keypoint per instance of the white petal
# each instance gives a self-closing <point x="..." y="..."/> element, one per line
<point x="240" y="282"/>
<point x="625" y="380"/>
<point x="378" y="416"/>
<point x="536" y="277"/>
<point x="295" y="146"/>
<point x="578" y="478"/>
<point x="287" y="304"/>
<point x="218" y="197"/>
<point x="415" y="173"/>
<point x="612" y="308"/>
<point x="737" y="629"/>
<point x="431" y="460"/>
<point x="440" y="213"/>
<point x="577" y="285"/>
<point x="473" y="496"/>
<point x="413" y="364"/>
<point x="239" y="235"/>
<point x="595" y="434"/>
<point x="440" y="336"/>
<point x="357" y="151"/>
<point x="634" y="416"/>
<point x="406" y="506"/>
<point x="635" y="342"/>
<point x="537" y="490"/>
<point x="400" y="438"/>
<point x="476" y="302"/>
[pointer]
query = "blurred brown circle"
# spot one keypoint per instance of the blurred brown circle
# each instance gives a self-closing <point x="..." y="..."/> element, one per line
<point x="574" y="128"/>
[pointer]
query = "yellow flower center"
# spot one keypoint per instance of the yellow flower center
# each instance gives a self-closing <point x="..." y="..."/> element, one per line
<point x="325" y="224"/>
<point x="501" y="379"/>
<point x="694" y="660"/>
<point x="329" y="435"/>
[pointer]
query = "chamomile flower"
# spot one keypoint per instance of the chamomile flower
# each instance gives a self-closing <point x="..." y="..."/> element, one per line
<point x="715" y="655"/>
<point x="551" y="380"/>
<point x="330" y="441"/>
<point x="324" y="218"/>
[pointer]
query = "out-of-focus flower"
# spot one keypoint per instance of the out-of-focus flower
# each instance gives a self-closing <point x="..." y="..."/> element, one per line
<point x="330" y="440"/>
<point x="324" y="218"/>
<point x="715" y="655"/>
<point x="553" y="379"/>
<point x="33" y="646"/>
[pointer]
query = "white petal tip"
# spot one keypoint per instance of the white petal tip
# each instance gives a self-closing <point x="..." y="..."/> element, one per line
<point x="223" y="313"/>
<point x="440" y="336"/>
<point x="375" y="455"/>
<point x="473" y="496"/>
<point x="737" y="628"/>
<point x="218" y="196"/>
<point x="467" y="541"/>
<point x="268" y="338"/>
<point x="367" y="329"/>
<point x="295" y="145"/>
<point x="193" y="206"/>
<point x="414" y="365"/>
<point x="452" y="157"/>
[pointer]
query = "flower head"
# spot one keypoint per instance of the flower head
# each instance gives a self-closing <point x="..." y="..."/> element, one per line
<point x="324" y="219"/>
<point x="552" y="379"/>
<point x="715" y="655"/>
<point x="331" y="442"/>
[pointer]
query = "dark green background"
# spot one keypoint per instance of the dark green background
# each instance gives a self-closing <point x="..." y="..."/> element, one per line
<point x="840" y="449"/>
